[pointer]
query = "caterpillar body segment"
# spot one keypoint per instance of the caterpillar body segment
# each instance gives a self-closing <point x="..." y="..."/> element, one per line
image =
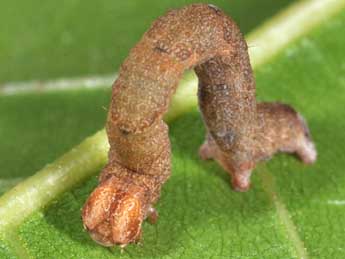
<point x="240" y="131"/>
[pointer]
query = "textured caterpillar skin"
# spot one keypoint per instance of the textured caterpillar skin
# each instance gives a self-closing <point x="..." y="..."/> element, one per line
<point x="197" y="36"/>
<point x="279" y="129"/>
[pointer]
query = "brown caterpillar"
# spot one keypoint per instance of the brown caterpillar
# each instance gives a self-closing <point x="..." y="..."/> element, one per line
<point x="240" y="132"/>
<point x="279" y="129"/>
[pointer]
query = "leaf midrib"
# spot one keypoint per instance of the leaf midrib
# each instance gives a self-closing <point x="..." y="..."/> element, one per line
<point x="268" y="184"/>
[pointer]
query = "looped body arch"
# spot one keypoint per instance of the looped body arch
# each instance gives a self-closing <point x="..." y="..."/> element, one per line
<point x="201" y="37"/>
<point x="240" y="132"/>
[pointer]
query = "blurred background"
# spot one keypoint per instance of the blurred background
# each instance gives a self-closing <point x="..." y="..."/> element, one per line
<point x="300" y="209"/>
<point x="68" y="38"/>
<point x="48" y="40"/>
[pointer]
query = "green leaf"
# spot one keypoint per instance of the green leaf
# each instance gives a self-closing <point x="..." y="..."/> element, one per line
<point x="48" y="39"/>
<point x="292" y="211"/>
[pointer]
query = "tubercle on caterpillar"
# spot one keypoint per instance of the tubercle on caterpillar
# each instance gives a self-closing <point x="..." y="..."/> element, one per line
<point x="240" y="132"/>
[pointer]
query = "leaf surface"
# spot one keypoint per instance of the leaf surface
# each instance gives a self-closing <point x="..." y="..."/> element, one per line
<point x="49" y="39"/>
<point x="291" y="211"/>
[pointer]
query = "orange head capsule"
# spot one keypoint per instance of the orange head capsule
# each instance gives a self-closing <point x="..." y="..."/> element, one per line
<point x="114" y="212"/>
<point x="240" y="131"/>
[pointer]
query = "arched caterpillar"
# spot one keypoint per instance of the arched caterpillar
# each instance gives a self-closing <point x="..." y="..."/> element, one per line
<point x="240" y="132"/>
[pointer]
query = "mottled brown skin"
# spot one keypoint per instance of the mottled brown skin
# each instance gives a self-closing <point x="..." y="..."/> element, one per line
<point x="197" y="36"/>
<point x="279" y="129"/>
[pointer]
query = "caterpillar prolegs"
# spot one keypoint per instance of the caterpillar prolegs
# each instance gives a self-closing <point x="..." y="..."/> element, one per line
<point x="240" y="132"/>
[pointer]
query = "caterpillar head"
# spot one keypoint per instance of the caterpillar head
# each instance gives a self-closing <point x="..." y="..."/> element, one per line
<point x="114" y="212"/>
